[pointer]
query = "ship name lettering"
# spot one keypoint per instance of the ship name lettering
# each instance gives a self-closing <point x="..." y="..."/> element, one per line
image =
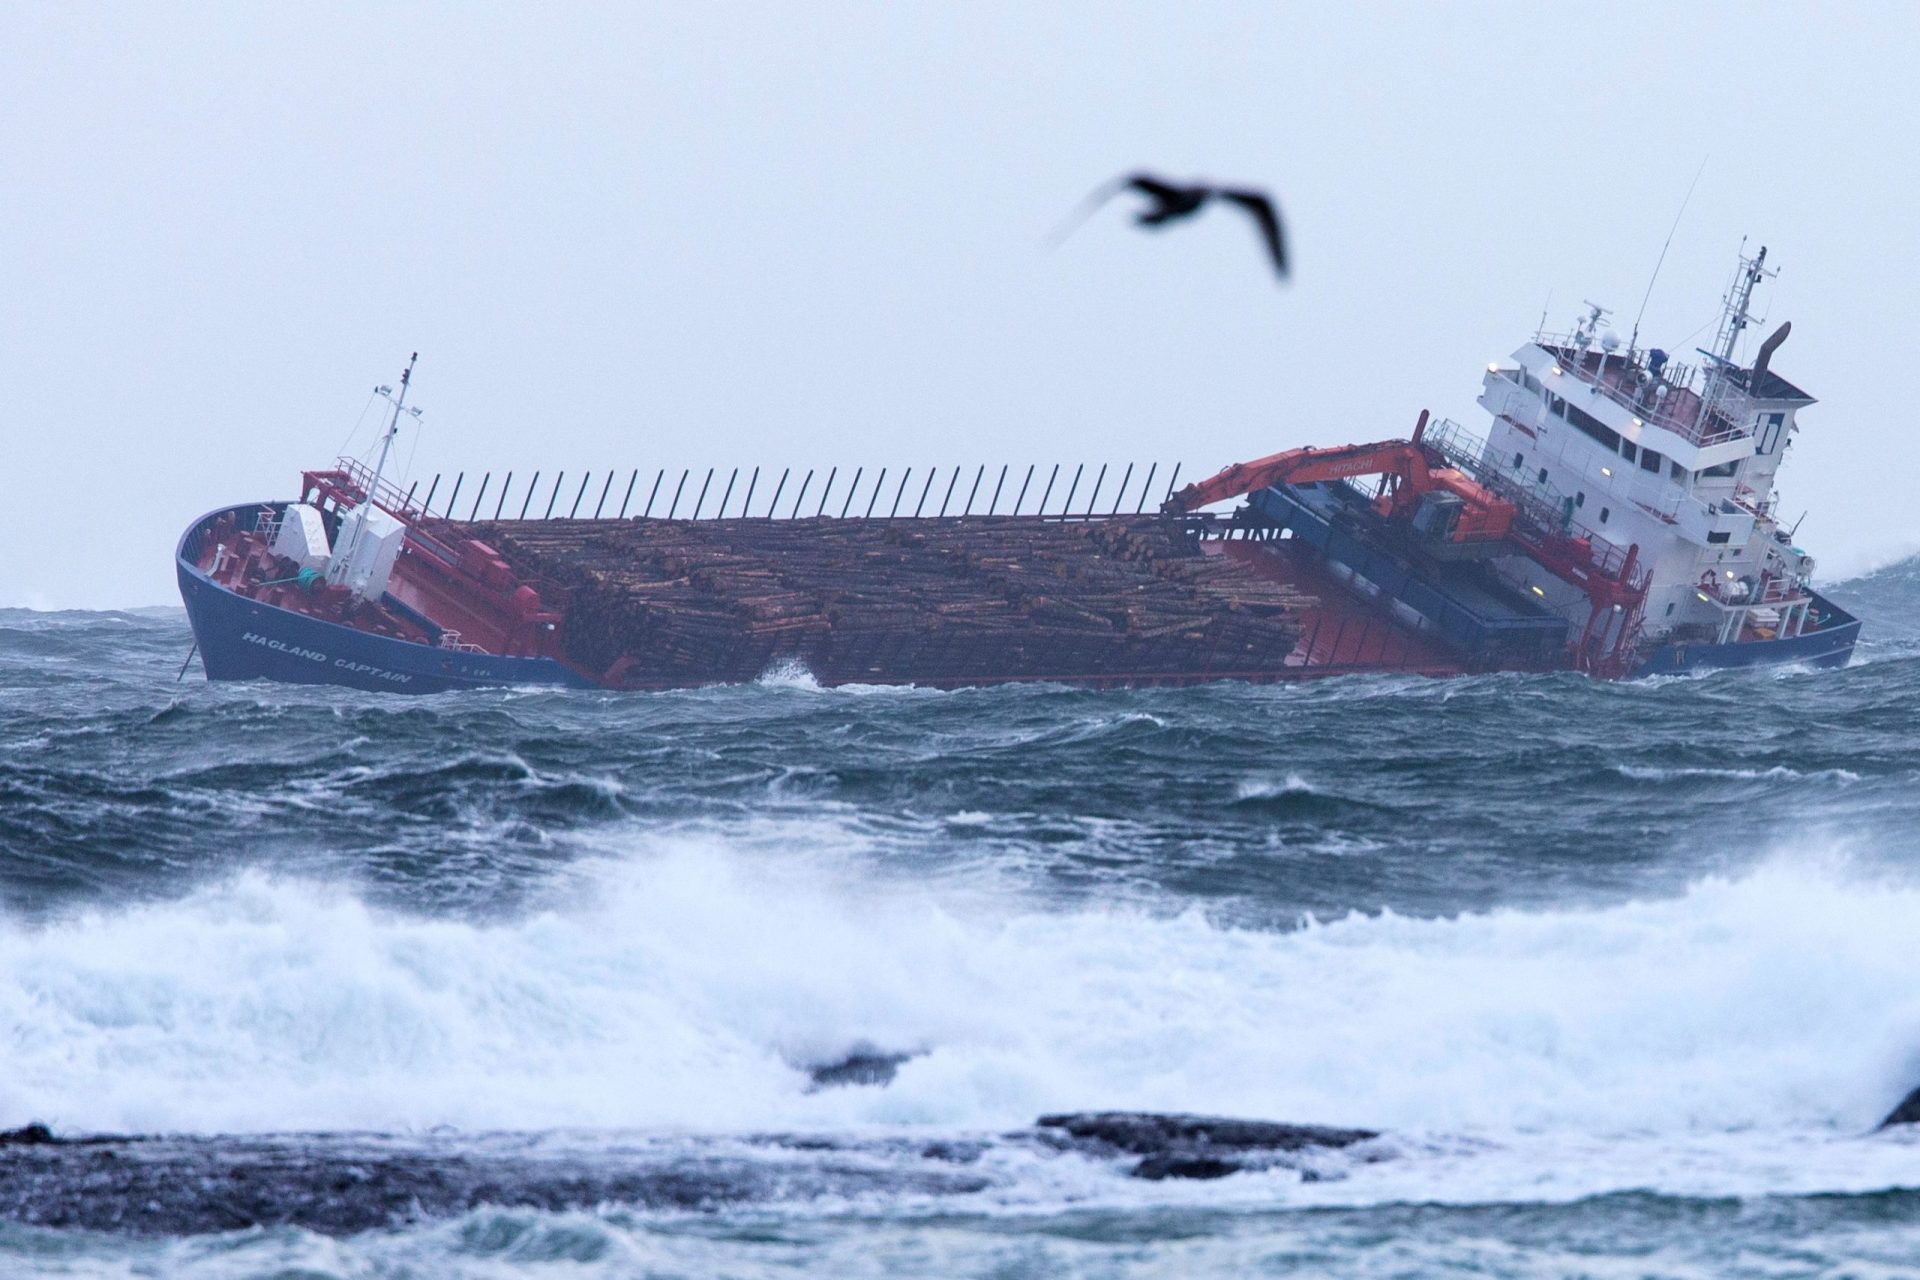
<point x="281" y="646"/>
<point x="378" y="673"/>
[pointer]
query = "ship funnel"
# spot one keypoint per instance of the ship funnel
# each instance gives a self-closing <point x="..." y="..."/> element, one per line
<point x="1767" y="349"/>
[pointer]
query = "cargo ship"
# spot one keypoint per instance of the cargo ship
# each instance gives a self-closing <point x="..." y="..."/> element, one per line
<point x="1616" y="516"/>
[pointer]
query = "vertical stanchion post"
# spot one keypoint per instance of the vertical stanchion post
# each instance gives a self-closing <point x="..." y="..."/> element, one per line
<point x="951" y="481"/>
<point x="853" y="491"/>
<point x="677" y="490"/>
<point x="407" y="503"/>
<point x="455" y="497"/>
<point x="1122" y="495"/>
<point x="1174" y="480"/>
<point x="655" y="494"/>
<point x="632" y="480"/>
<point x="827" y="492"/>
<point x="605" y="489"/>
<point x="1146" y="487"/>
<point x="801" y="497"/>
<point x="528" y="500"/>
<point x="924" y="490"/>
<point x="746" y="503"/>
<point x="427" y="506"/>
<point x="975" y="491"/>
<point x="480" y="497"/>
<point x="1066" y="508"/>
<point x="701" y="500"/>
<point x="500" y="503"/>
<point x="877" y="486"/>
<point x="1049" y="492"/>
<point x="997" y="486"/>
<point x="1096" y="490"/>
<point x="721" y="514"/>
<point x="555" y="495"/>
<point x="574" y="510"/>
<point x="900" y="492"/>
<point x="1023" y="489"/>
<point x="777" y="491"/>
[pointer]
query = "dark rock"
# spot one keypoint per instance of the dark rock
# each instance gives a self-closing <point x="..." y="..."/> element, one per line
<point x="954" y="1152"/>
<point x="1155" y="1168"/>
<point x="1146" y="1132"/>
<point x="1908" y="1112"/>
<point x="1184" y="1146"/>
<point x="861" y="1067"/>
<point x="347" y="1184"/>
<point x="29" y="1135"/>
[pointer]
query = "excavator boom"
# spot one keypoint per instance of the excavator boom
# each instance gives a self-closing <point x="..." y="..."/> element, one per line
<point x="1410" y="472"/>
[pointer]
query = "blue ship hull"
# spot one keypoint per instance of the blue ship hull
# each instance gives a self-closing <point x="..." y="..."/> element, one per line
<point x="242" y="639"/>
<point x="1830" y="644"/>
<point x="1500" y="631"/>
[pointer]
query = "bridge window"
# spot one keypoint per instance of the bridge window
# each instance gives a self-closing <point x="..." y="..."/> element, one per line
<point x="1579" y="500"/>
<point x="1519" y="460"/>
<point x="1629" y="450"/>
<point x="1650" y="461"/>
<point x="1604" y="513"/>
<point x="1676" y="472"/>
<point x="1543" y="475"/>
<point x="1720" y="472"/>
<point x="1721" y="536"/>
<point x="1770" y="432"/>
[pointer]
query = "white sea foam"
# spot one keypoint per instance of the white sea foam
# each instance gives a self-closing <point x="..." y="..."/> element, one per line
<point x="1654" y="773"/>
<point x="682" y="986"/>
<point x="1266" y="788"/>
<point x="789" y="673"/>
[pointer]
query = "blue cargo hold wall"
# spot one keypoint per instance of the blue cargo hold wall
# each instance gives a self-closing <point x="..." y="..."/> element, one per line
<point x="1472" y="617"/>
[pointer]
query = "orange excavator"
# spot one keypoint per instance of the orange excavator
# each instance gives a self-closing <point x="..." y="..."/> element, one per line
<point x="1439" y="501"/>
<point x="1452" y="510"/>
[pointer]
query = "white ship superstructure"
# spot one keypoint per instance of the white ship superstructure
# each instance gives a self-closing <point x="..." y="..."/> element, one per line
<point x="1630" y="447"/>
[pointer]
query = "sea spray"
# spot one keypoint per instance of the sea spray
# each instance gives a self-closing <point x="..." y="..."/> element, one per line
<point x="692" y="986"/>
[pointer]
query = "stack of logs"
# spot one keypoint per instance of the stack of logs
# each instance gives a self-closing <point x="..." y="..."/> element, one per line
<point x="656" y="603"/>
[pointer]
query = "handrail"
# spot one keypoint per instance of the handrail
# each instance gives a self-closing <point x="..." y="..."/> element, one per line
<point x="1718" y="399"/>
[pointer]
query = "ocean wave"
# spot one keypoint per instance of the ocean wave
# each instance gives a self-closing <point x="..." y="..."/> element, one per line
<point x="678" y="987"/>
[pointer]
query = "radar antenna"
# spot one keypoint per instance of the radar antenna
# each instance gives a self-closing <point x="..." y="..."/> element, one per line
<point x="1589" y="325"/>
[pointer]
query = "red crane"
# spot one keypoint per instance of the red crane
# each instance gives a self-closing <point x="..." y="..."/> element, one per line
<point x="1408" y="470"/>
<point x="1613" y="581"/>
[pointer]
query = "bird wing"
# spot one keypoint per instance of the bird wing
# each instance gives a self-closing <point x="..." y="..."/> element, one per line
<point x="1159" y="188"/>
<point x="1100" y="195"/>
<point x="1260" y="208"/>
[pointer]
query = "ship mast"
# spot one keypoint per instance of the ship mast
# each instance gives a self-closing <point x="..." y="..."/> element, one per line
<point x="342" y="558"/>
<point x="1739" y="297"/>
<point x="400" y="403"/>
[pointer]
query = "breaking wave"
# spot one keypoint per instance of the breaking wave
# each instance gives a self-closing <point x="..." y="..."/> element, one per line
<point x="691" y="986"/>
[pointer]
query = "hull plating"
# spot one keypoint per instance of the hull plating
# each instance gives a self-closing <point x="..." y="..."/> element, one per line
<point x="1829" y="646"/>
<point x="242" y="639"/>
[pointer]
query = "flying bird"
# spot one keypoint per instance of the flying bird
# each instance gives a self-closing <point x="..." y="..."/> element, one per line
<point x="1171" y="202"/>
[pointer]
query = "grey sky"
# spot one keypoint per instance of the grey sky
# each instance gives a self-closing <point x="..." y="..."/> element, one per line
<point x="695" y="234"/>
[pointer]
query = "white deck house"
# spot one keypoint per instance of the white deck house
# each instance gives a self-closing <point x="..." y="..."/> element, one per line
<point x="1631" y="447"/>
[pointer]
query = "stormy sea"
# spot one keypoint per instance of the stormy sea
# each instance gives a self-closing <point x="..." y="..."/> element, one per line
<point x="1504" y="976"/>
